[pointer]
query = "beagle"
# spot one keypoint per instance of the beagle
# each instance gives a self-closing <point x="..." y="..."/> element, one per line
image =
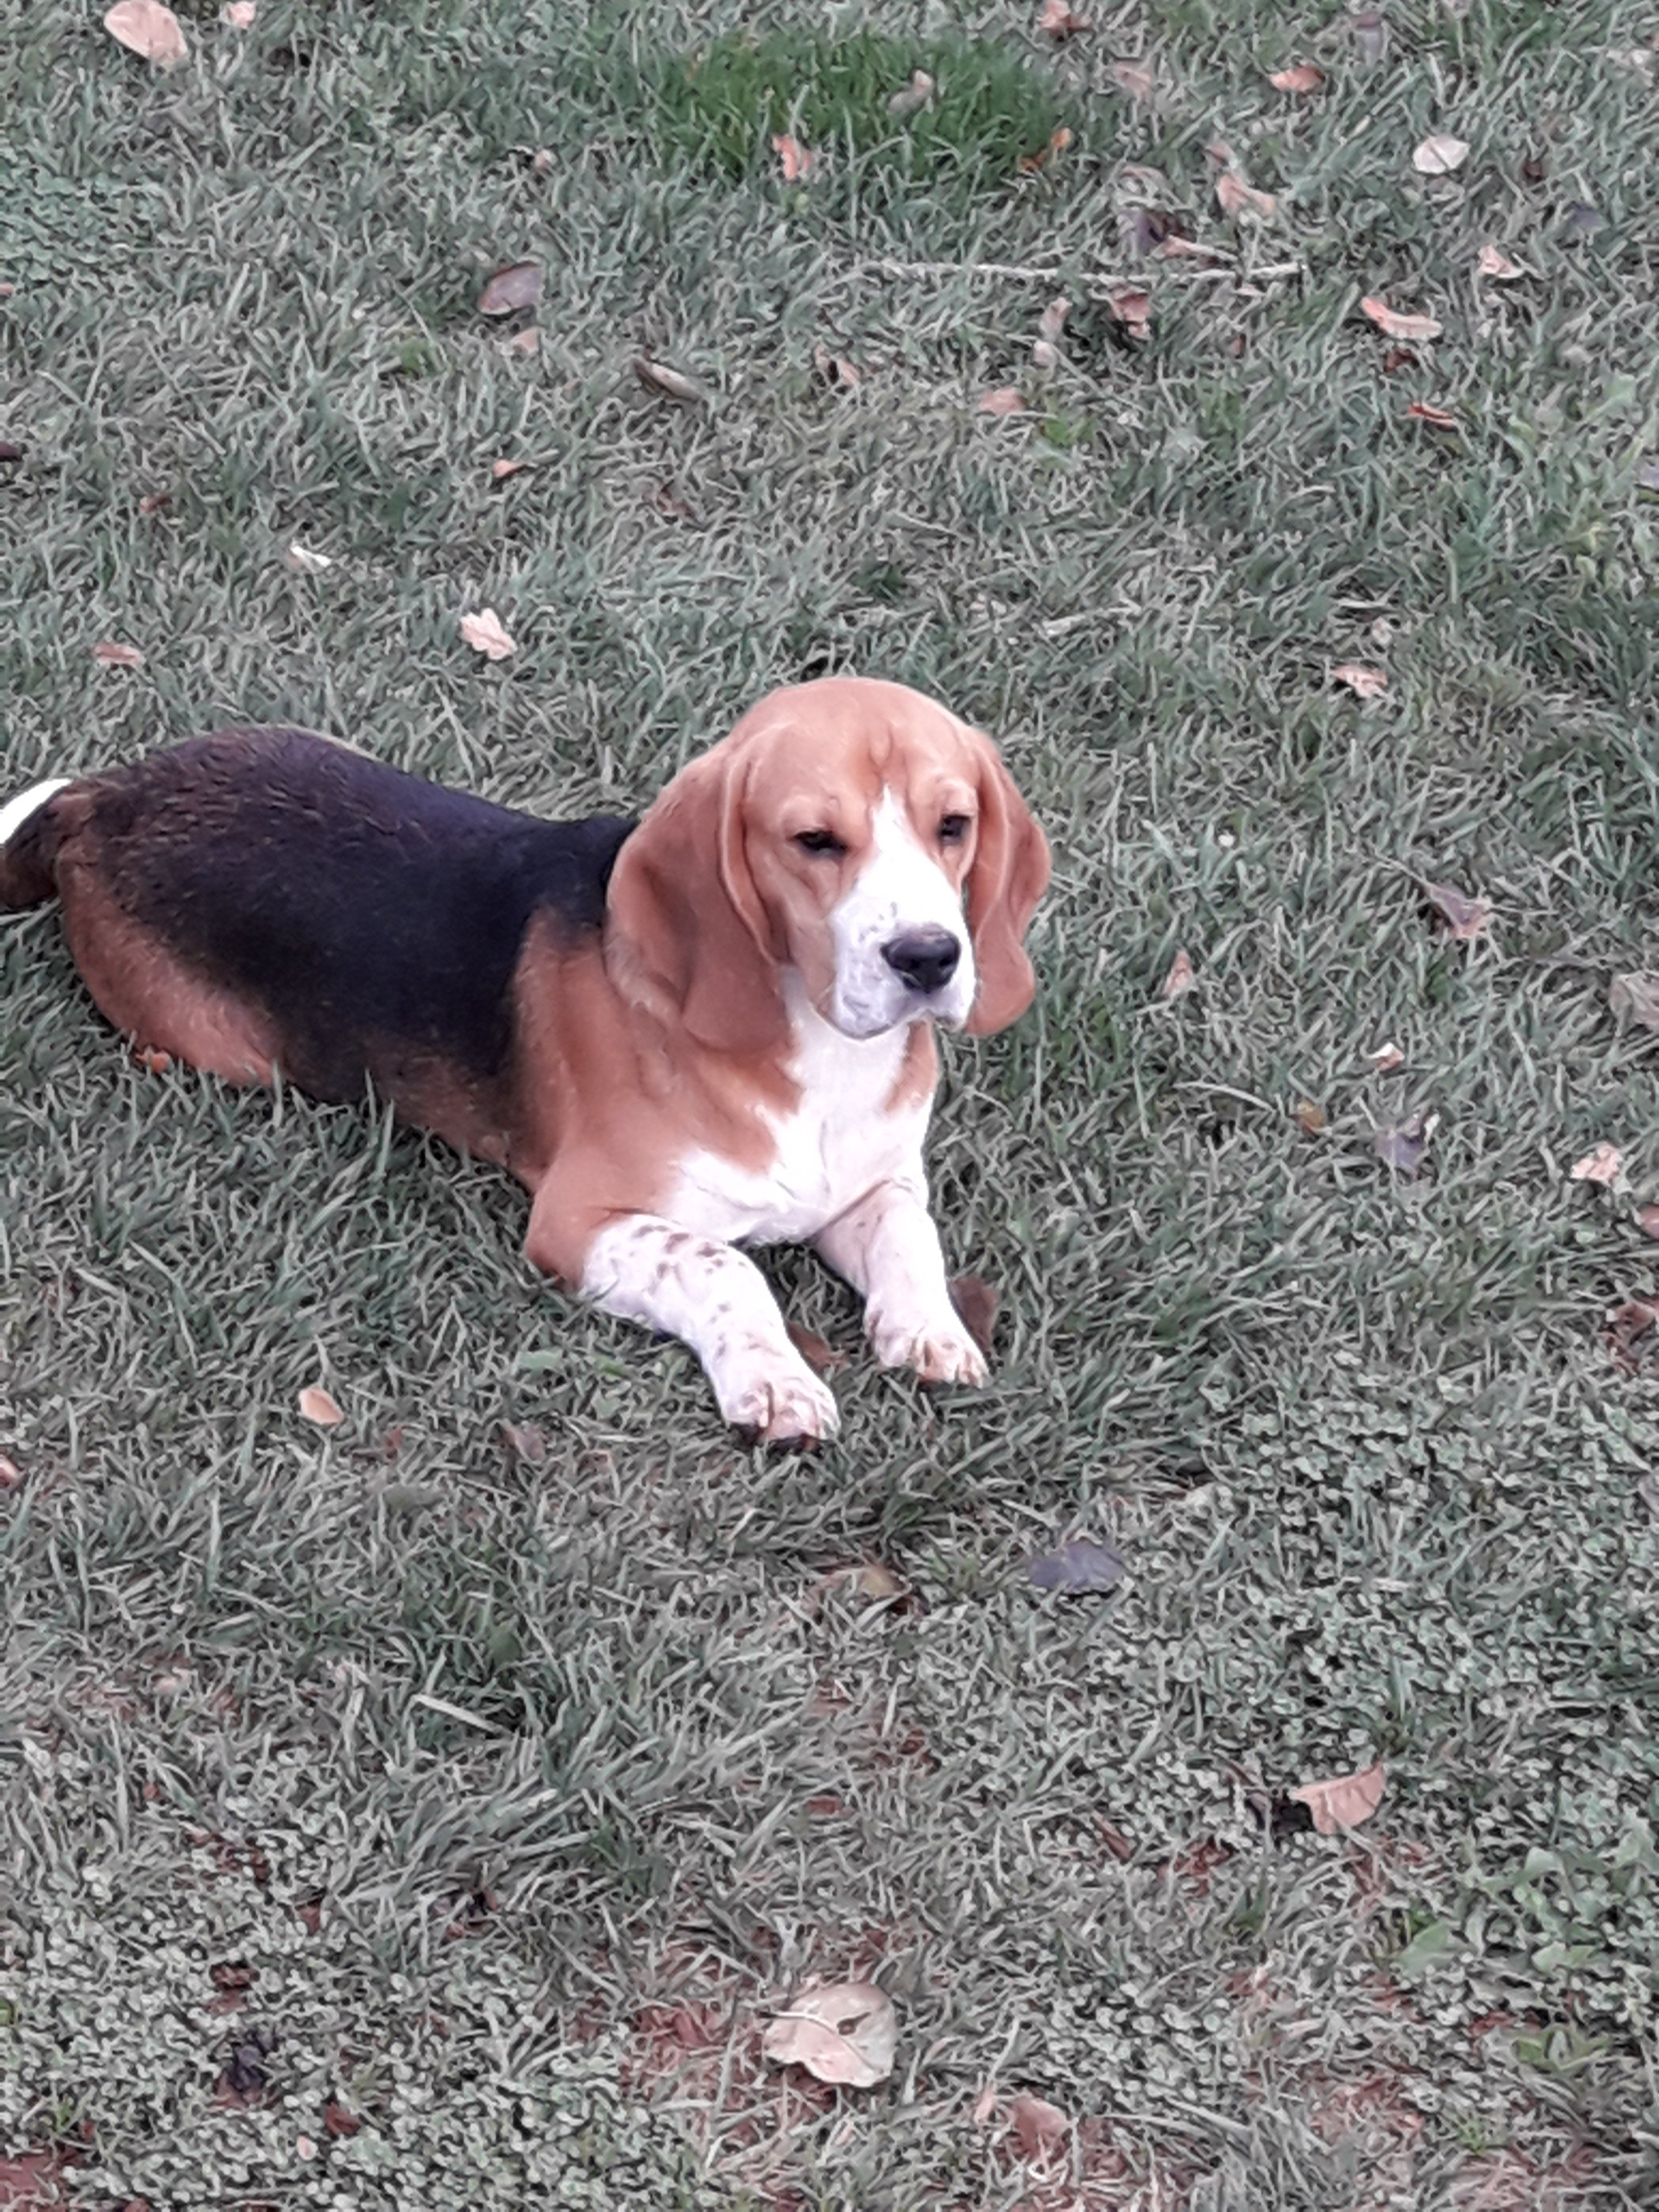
<point x="710" y="1028"/>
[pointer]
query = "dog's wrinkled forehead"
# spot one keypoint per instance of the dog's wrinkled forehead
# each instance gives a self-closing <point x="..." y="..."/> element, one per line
<point x="844" y="740"/>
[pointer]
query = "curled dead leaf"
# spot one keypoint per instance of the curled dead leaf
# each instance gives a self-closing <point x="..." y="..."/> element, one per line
<point x="1438" y="157"/>
<point x="11" y="1475"/>
<point x="1386" y="1059"/>
<point x="1601" y="1166"/>
<point x="1398" y="357"/>
<point x="1052" y="321"/>
<point x="317" y="1406"/>
<point x="870" y="1579"/>
<point x="820" y="1356"/>
<point x="1494" y="263"/>
<point x="523" y="343"/>
<point x="110" y="655"/>
<point x="1004" y="401"/>
<point x="484" y="634"/>
<point x="1414" y="330"/>
<point x="1635" y="998"/>
<point x="976" y="1301"/>
<point x="1344" y="1801"/>
<point x="1647" y="1220"/>
<point x="1235" y="197"/>
<point x="147" y="29"/>
<point x="659" y="376"/>
<point x="1134" y="310"/>
<point x="510" y="289"/>
<point x="1059" y="140"/>
<point x="1465" y="918"/>
<point x="915" y="94"/>
<point x="1402" y="1144"/>
<point x="846" y="2032"/>
<point x="1364" y="683"/>
<point x="1037" y="2127"/>
<point x="796" y="160"/>
<point x="500" y="470"/>
<point x="1133" y="77"/>
<point x="1626" y="1325"/>
<point x="153" y="501"/>
<point x="1302" y="77"/>
<point x="1436" y="418"/>
<point x="1182" y="976"/>
<point x="1059" y="23"/>
<point x="1308" y="1117"/>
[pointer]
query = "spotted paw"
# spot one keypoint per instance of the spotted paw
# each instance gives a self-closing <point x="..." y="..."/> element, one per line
<point x="778" y="1400"/>
<point x="943" y="1354"/>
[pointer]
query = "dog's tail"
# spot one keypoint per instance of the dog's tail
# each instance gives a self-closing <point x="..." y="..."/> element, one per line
<point x="28" y="846"/>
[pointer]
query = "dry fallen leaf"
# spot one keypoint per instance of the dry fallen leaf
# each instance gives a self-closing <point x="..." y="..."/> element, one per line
<point x="306" y="563"/>
<point x="658" y="376"/>
<point x="145" y="28"/>
<point x="153" y="501"/>
<point x="821" y="1356"/>
<point x="798" y="160"/>
<point x="1004" y="401"/>
<point x="1364" y="683"/>
<point x="511" y="288"/>
<point x="917" y="93"/>
<point x="1398" y="357"/>
<point x="524" y="1440"/>
<point x="500" y="470"/>
<point x="1601" y="1166"/>
<point x="1416" y="330"/>
<point x="523" y="343"/>
<point x="1370" y="34"/>
<point x="484" y="634"/>
<point x="1134" y="78"/>
<point x="1386" y="1059"/>
<point x="1182" y="975"/>
<point x="1635" y="998"/>
<point x="1626" y="1324"/>
<point x="1436" y="418"/>
<point x="1494" y="263"/>
<point x="1438" y="157"/>
<point x="1343" y="1801"/>
<point x="317" y="1406"/>
<point x="984" y="2105"/>
<point x="110" y="655"/>
<point x="1058" y="21"/>
<point x="846" y="2034"/>
<point x="1302" y="77"/>
<point x="1235" y="197"/>
<point x="834" y="370"/>
<point x="1079" y="1569"/>
<point x="1059" y="140"/>
<point x="870" y="1579"/>
<point x="1134" y="311"/>
<point x="1465" y="917"/>
<point x="239" y="14"/>
<point x="1051" y="321"/>
<point x="1402" y="1144"/>
<point x="1309" y="1117"/>
<point x="11" y="1475"/>
<point x="1037" y="2127"/>
<point x="976" y="1301"/>
<point x="1647" y="1220"/>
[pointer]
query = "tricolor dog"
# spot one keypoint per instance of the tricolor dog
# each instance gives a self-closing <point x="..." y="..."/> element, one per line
<point x="712" y="1028"/>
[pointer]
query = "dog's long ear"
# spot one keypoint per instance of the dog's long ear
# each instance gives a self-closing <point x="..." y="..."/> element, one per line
<point x="1009" y="875"/>
<point x="685" y="918"/>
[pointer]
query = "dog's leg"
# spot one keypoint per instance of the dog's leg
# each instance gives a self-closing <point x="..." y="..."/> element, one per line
<point x="715" y="1299"/>
<point x="887" y="1248"/>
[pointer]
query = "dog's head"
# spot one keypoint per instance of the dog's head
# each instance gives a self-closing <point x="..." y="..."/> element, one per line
<point x="855" y="832"/>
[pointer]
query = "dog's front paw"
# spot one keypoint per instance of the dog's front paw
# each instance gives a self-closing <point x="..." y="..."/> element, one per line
<point x="940" y="1352"/>
<point x="775" y="1398"/>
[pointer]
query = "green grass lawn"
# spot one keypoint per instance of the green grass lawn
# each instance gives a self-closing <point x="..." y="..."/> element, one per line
<point x="520" y="1787"/>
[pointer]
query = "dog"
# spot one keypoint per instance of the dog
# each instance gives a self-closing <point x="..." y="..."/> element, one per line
<point x="709" y="1028"/>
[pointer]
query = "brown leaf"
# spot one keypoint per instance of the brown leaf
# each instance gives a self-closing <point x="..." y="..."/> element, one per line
<point x="1220" y="154"/>
<point x="154" y="1062"/>
<point x="976" y="1301"/>
<point x="1438" y="157"/>
<point x="1437" y="418"/>
<point x="1386" y="1059"/>
<point x="32" y="2180"/>
<point x="1635" y="998"/>
<point x="118" y="656"/>
<point x="915" y="94"/>
<point x="1398" y="357"/>
<point x="658" y="376"/>
<point x="1494" y="263"/>
<point x="1051" y="321"/>
<point x="1038" y="2128"/>
<point x="870" y="1579"/>
<point x="519" y="285"/>
<point x="526" y="1442"/>
<point x="501" y="471"/>
<point x="239" y="14"/>
<point x="339" y="2122"/>
<point x="822" y="1357"/>
<point x="1402" y="1144"/>
<point x="1235" y="197"/>
<point x="832" y="370"/>
<point x="1364" y="683"/>
<point x="317" y="1406"/>
<point x="1133" y="77"/>
<point x="1370" y="34"/>
<point x="846" y="2033"/>
<point x="798" y="160"/>
<point x="1308" y="1117"/>
<point x="1415" y="330"/>
<point x="1134" y="310"/>
<point x="1647" y="1220"/>
<point x="8" y="450"/>
<point x="523" y="343"/>
<point x="984" y="2105"/>
<point x="1344" y="1801"/>
<point x="1061" y="24"/>
<point x="1059" y="140"/>
<point x="1302" y="77"/>
<point x="309" y="1914"/>
<point x="1182" y="976"/>
<point x="11" y="1475"/>
<point x="1465" y="918"/>
<point x="484" y="634"/>
<point x="1004" y="401"/>
<point x="1626" y="1325"/>
<point x="667" y="501"/>
<point x="1601" y="1166"/>
<point x="153" y="501"/>
<point x="146" y="28"/>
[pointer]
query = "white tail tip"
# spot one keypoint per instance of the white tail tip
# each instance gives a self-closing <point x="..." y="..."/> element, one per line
<point x="16" y="811"/>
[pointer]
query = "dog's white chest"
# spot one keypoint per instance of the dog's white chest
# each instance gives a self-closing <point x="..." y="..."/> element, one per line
<point x="838" y="1142"/>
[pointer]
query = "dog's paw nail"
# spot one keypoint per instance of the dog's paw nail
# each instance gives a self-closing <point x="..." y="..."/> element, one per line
<point x="784" y="1409"/>
<point x="937" y="1355"/>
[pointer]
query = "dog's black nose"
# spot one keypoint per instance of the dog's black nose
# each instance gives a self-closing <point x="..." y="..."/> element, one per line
<point x="926" y="958"/>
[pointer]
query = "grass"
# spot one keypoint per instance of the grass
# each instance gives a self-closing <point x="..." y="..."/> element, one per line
<point x="521" y="1786"/>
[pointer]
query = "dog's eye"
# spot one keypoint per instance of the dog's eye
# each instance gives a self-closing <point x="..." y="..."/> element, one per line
<point x="822" y="842"/>
<point x="953" y="829"/>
